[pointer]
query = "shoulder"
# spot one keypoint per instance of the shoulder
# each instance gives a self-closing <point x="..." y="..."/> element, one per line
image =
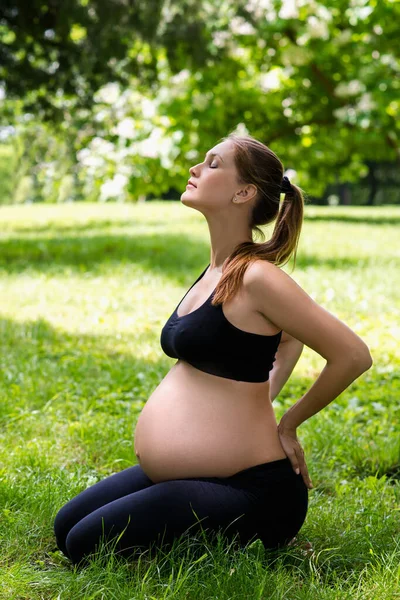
<point x="263" y="273"/>
<point x="273" y="291"/>
<point x="283" y="302"/>
<point x="270" y="287"/>
<point x="260" y="276"/>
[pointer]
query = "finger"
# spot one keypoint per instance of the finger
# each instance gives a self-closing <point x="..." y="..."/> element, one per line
<point x="305" y="473"/>
<point x="307" y="481"/>
<point x="291" y="455"/>
<point x="295" y="462"/>
<point x="301" y="465"/>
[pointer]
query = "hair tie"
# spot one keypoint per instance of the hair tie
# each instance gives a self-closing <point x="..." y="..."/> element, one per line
<point x="286" y="186"/>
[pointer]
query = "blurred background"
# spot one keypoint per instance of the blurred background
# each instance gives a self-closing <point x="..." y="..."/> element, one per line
<point x="114" y="100"/>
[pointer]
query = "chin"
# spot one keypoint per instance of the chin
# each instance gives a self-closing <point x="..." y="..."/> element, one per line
<point x="189" y="203"/>
<point x="185" y="196"/>
<point x="186" y="201"/>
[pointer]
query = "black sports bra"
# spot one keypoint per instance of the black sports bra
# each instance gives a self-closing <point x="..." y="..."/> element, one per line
<point x="206" y="339"/>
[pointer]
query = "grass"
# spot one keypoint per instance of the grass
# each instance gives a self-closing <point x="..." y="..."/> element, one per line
<point x="85" y="290"/>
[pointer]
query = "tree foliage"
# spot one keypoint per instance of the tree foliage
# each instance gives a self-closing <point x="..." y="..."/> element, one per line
<point x="72" y="47"/>
<point x="138" y="91"/>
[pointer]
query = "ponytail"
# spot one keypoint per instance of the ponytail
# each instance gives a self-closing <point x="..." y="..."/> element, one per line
<point x="257" y="164"/>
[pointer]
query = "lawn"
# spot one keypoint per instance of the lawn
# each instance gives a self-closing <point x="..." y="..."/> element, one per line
<point x="85" y="291"/>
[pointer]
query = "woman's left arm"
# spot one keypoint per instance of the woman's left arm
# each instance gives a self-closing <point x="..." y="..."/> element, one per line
<point x="335" y="377"/>
<point x="289" y="307"/>
<point x="283" y="302"/>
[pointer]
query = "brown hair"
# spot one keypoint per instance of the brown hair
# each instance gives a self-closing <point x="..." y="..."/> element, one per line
<point x="257" y="164"/>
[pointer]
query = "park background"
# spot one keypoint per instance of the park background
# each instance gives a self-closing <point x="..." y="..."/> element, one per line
<point x="104" y="106"/>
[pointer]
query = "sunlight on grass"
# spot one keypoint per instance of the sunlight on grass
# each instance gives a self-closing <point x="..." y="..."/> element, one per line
<point x="85" y="291"/>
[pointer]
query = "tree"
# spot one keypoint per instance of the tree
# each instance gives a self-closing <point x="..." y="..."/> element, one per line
<point x="316" y="81"/>
<point x="68" y="49"/>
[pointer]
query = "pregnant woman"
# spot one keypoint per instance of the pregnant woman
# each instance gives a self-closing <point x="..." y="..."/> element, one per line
<point x="210" y="452"/>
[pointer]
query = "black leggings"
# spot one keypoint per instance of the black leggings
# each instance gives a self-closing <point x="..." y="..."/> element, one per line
<point x="267" y="501"/>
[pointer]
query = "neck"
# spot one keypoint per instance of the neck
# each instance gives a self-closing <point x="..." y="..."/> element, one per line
<point x="224" y="239"/>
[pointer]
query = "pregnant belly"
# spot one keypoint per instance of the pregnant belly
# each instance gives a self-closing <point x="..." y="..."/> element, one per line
<point x="199" y="425"/>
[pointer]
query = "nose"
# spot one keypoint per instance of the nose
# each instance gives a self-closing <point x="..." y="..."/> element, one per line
<point x="193" y="170"/>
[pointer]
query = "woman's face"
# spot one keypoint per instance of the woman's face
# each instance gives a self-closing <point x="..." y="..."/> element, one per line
<point x="215" y="179"/>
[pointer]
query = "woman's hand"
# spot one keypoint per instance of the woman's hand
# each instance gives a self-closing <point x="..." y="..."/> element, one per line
<point x="294" y="452"/>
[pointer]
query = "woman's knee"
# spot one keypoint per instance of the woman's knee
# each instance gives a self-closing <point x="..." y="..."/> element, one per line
<point x="78" y="545"/>
<point x="67" y="517"/>
<point x="62" y="526"/>
<point x="90" y="535"/>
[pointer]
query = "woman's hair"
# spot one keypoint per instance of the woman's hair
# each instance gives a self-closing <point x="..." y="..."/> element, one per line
<point x="257" y="164"/>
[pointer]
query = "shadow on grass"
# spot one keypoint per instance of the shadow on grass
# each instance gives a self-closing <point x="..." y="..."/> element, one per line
<point x="166" y="255"/>
<point x="89" y="226"/>
<point x="40" y="362"/>
<point x="79" y="381"/>
<point x="51" y="374"/>
<point x="73" y="392"/>
<point x="354" y="219"/>
<point x="98" y="224"/>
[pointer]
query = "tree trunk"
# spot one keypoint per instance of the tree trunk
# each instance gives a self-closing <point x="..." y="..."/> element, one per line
<point x="373" y="184"/>
<point x="345" y="194"/>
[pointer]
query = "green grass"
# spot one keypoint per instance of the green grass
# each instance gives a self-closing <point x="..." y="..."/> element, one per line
<point x="85" y="290"/>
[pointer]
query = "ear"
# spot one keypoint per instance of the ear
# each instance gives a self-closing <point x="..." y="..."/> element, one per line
<point x="247" y="193"/>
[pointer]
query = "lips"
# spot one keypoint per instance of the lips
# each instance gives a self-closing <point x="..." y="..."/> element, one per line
<point x="191" y="183"/>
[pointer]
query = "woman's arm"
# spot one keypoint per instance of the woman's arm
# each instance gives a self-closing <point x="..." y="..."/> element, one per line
<point x="286" y="358"/>
<point x="283" y="302"/>
<point x="335" y="377"/>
